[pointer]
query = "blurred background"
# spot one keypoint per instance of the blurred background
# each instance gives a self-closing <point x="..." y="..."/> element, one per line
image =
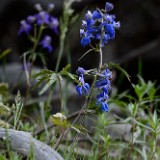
<point x="136" y="46"/>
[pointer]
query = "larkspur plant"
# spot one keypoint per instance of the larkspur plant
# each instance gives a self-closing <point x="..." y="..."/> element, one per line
<point x="99" y="25"/>
<point x="40" y="21"/>
<point x="98" y="29"/>
<point x="130" y="131"/>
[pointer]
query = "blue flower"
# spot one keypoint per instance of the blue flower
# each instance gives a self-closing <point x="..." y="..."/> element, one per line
<point x="38" y="7"/>
<point x="84" y="23"/>
<point x="109" y="6"/>
<point x="80" y="71"/>
<point x="50" y="7"/>
<point x="104" y="107"/>
<point x="82" y="32"/>
<point x="42" y="18"/>
<point x="102" y="82"/>
<point x="79" y="90"/>
<point x="96" y="15"/>
<point x="85" y="41"/>
<point x="99" y="25"/>
<point x="104" y="85"/>
<point x="110" y="30"/>
<point x="103" y="96"/>
<point x="105" y="39"/>
<point x="25" y="27"/>
<point x="53" y="24"/>
<point x="82" y="87"/>
<point x="117" y="25"/>
<point x="31" y="19"/>
<point x="46" y="43"/>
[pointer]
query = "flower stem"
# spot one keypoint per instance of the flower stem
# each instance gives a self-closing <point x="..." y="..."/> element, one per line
<point x="155" y="147"/>
<point x="100" y="58"/>
<point x="37" y="39"/>
<point x="83" y="110"/>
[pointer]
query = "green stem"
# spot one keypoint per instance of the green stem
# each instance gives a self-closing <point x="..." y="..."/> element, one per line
<point x="155" y="147"/>
<point x="131" y="143"/>
<point x="26" y="69"/>
<point x="85" y="54"/>
<point x="59" y="56"/>
<point x="37" y="39"/>
<point x="60" y="92"/>
<point x="33" y="57"/>
<point x="42" y="112"/>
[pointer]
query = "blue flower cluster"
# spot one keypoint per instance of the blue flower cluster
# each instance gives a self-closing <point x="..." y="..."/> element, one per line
<point x="46" y="43"/>
<point x="82" y="86"/>
<point x="42" y="18"/>
<point x="99" y="25"/>
<point x="103" y="84"/>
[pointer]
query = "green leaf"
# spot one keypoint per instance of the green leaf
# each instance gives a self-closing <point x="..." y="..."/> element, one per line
<point x="2" y="157"/>
<point x="66" y="73"/>
<point x="142" y="125"/>
<point x="142" y="88"/>
<point x="47" y="76"/>
<point x="42" y="73"/>
<point x="66" y="68"/>
<point x="4" y="53"/>
<point x="49" y="83"/>
<point x="40" y="80"/>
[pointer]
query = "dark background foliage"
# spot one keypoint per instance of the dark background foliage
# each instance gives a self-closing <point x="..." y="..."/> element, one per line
<point x="137" y="42"/>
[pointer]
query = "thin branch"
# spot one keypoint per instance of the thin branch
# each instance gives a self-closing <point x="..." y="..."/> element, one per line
<point x="100" y="58"/>
<point x="85" y="54"/>
<point x="71" y="116"/>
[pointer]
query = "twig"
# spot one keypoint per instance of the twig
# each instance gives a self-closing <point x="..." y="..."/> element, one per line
<point x="71" y="116"/>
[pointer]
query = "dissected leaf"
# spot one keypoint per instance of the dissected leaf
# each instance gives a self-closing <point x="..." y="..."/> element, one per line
<point x="49" y="82"/>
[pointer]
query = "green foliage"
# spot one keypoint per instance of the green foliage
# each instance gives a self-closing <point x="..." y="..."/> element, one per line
<point x="142" y="88"/>
<point x="47" y="76"/>
<point x="50" y="78"/>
